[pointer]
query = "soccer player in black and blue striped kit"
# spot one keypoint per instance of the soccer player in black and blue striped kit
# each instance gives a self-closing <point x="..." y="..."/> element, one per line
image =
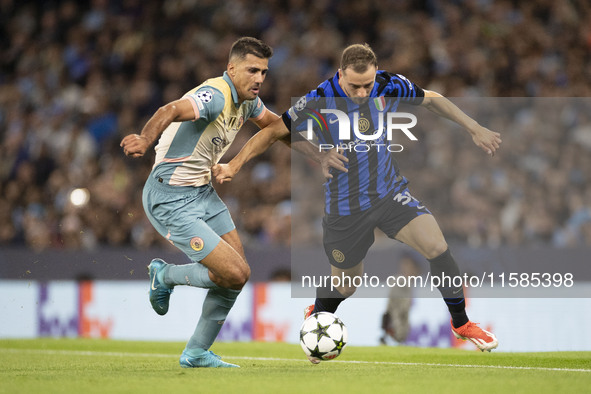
<point x="369" y="191"/>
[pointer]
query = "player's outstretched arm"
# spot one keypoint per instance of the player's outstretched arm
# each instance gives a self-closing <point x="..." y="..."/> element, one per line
<point x="485" y="139"/>
<point x="135" y="145"/>
<point x="262" y="140"/>
<point x="328" y="159"/>
<point x="256" y="145"/>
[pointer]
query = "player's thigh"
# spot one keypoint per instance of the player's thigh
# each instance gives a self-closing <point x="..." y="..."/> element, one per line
<point x="424" y="235"/>
<point x="217" y="216"/>
<point x="186" y="220"/>
<point x="228" y="258"/>
<point x="219" y="219"/>
<point x="194" y="237"/>
<point x="347" y="239"/>
<point x="408" y="220"/>
<point x="233" y="239"/>
<point x="395" y="212"/>
<point x="347" y="277"/>
<point x="178" y="217"/>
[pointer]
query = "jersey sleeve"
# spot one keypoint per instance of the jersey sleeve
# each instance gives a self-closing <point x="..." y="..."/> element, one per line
<point x="258" y="109"/>
<point x="401" y="87"/>
<point x="294" y="118"/>
<point x="208" y="103"/>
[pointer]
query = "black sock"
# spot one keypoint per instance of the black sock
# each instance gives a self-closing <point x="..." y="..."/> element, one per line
<point x="445" y="265"/>
<point x="457" y="310"/>
<point x="327" y="300"/>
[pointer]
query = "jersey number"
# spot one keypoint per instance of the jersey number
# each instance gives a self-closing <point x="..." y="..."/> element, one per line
<point x="405" y="198"/>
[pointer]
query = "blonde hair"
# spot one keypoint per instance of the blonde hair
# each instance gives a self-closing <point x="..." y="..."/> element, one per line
<point x="359" y="57"/>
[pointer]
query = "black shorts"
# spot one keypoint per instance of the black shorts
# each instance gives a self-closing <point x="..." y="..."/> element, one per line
<point x="348" y="238"/>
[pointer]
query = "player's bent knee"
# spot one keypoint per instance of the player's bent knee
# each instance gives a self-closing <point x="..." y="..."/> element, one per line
<point x="435" y="249"/>
<point x="238" y="276"/>
<point x="228" y="268"/>
<point x="347" y="291"/>
<point x="244" y="275"/>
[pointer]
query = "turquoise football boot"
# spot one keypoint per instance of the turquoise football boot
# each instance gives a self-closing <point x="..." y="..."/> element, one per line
<point x="159" y="292"/>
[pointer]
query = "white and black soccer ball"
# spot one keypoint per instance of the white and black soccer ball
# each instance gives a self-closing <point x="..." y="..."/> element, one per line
<point x="323" y="335"/>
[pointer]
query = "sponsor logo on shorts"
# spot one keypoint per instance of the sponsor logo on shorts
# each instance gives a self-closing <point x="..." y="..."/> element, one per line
<point x="338" y="256"/>
<point x="197" y="244"/>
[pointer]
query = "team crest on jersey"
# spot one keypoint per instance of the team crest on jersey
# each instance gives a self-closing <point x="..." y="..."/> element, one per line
<point x="338" y="256"/>
<point x="205" y="96"/>
<point x="363" y="125"/>
<point x="197" y="244"/>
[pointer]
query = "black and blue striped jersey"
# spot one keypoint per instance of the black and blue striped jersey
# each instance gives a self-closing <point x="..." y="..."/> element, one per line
<point x="372" y="170"/>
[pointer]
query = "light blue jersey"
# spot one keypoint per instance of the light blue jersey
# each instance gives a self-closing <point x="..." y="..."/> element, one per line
<point x="187" y="150"/>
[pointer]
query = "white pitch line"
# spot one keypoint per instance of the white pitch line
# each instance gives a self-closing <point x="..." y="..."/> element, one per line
<point x="422" y="364"/>
<point x="160" y="355"/>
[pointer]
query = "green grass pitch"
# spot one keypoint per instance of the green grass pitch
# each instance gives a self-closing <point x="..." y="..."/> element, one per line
<point x="104" y="366"/>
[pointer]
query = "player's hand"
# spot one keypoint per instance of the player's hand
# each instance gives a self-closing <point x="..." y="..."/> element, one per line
<point x="134" y="145"/>
<point x="486" y="139"/>
<point x="223" y="172"/>
<point x="333" y="159"/>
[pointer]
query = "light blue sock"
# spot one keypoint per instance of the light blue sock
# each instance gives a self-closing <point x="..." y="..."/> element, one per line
<point x="216" y="306"/>
<point x="196" y="275"/>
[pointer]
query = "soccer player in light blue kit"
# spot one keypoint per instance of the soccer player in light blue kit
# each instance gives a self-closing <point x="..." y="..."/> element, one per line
<point x="195" y="131"/>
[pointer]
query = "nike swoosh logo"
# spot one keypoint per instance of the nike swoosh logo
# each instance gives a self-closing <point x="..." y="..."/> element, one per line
<point x="188" y="362"/>
<point x="454" y="292"/>
<point x="332" y="121"/>
<point x="153" y="279"/>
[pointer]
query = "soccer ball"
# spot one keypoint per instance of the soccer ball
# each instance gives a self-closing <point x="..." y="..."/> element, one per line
<point x="323" y="335"/>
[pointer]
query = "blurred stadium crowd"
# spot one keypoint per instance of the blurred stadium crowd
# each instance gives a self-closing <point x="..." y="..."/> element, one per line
<point x="76" y="76"/>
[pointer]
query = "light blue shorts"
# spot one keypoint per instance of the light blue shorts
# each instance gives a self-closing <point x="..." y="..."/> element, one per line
<point x="191" y="218"/>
